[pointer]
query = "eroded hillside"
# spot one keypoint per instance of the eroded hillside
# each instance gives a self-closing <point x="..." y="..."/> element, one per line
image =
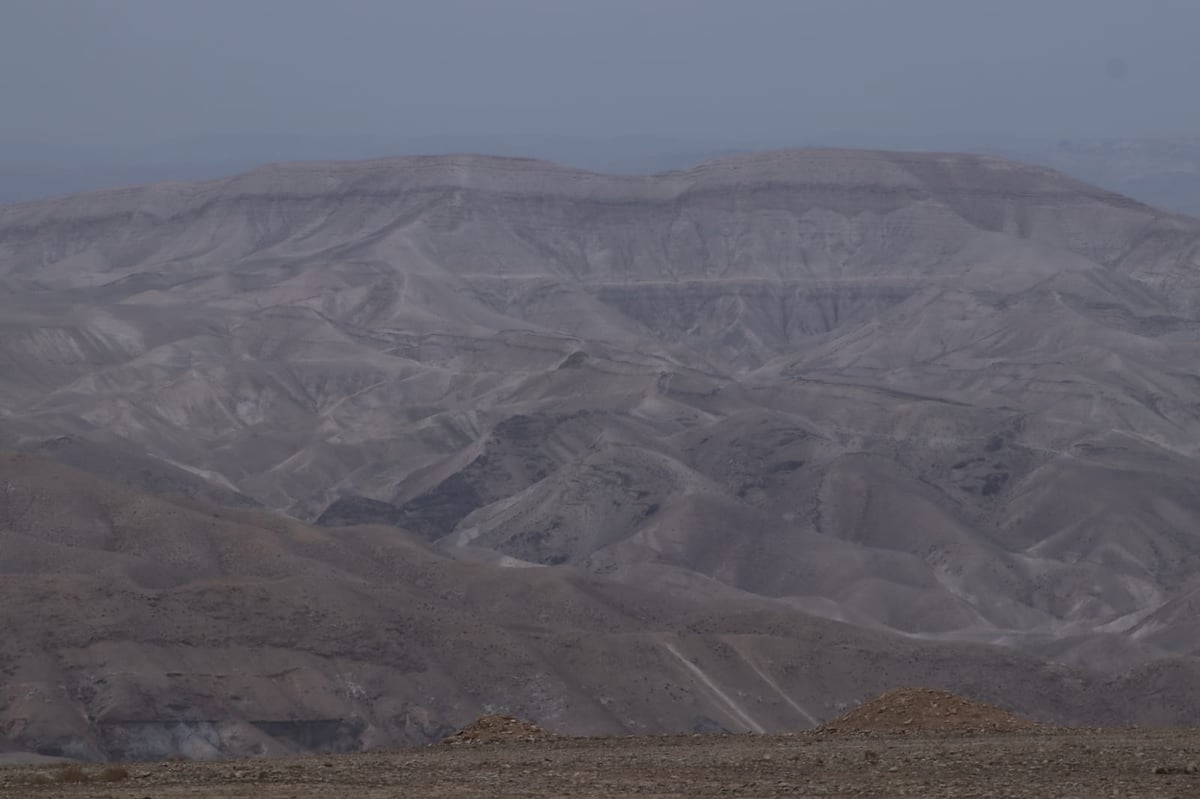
<point x="937" y="395"/>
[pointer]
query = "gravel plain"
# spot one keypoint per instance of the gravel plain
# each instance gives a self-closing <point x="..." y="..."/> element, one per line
<point x="1044" y="763"/>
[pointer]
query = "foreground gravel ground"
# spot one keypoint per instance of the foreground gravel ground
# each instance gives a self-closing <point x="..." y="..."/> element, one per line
<point x="1082" y="764"/>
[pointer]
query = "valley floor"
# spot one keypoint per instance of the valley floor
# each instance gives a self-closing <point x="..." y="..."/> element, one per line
<point x="1057" y="763"/>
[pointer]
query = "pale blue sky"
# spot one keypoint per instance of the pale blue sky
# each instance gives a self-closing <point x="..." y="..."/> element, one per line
<point x="133" y="72"/>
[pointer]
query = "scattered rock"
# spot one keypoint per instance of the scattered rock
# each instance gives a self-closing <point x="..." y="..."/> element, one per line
<point x="1190" y="768"/>
<point x="926" y="710"/>
<point x="496" y="728"/>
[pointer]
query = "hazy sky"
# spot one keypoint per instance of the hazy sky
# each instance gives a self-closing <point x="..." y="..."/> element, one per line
<point x="112" y="72"/>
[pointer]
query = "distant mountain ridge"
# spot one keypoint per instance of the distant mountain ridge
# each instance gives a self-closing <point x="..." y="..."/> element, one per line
<point x="1158" y="171"/>
<point x="936" y="395"/>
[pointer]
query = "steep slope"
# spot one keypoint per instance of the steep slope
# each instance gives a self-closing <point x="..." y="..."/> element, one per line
<point x="139" y="627"/>
<point x="937" y="394"/>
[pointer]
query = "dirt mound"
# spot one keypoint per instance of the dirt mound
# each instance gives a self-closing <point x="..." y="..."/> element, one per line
<point x="926" y="710"/>
<point x="489" y="729"/>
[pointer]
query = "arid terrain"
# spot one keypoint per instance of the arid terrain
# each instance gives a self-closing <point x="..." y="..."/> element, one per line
<point x="907" y="743"/>
<point x="1161" y="172"/>
<point x="336" y="456"/>
<point x="1067" y="764"/>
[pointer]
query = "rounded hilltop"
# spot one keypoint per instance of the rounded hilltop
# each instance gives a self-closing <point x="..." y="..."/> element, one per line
<point x="497" y="728"/>
<point x="919" y="710"/>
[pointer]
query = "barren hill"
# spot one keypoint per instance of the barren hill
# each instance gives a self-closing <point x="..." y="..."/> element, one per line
<point x="914" y="711"/>
<point x="941" y="395"/>
<point x="136" y="626"/>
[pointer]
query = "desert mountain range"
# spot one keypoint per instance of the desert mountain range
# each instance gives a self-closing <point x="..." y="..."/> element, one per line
<point x="341" y="455"/>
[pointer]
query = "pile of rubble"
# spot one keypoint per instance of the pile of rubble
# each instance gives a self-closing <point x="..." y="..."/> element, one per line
<point x="927" y="710"/>
<point x="496" y="728"/>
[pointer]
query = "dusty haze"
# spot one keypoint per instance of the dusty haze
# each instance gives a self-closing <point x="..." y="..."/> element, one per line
<point x="134" y="72"/>
<point x="132" y="91"/>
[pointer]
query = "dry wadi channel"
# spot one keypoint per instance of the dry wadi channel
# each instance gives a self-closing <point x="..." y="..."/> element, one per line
<point x="921" y="744"/>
